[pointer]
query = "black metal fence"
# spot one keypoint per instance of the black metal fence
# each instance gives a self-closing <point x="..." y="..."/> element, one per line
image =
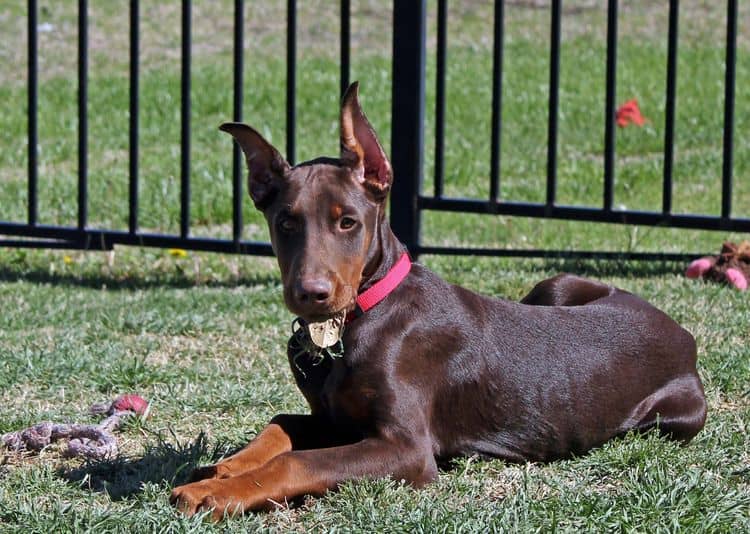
<point x="408" y="112"/>
<point x="409" y="199"/>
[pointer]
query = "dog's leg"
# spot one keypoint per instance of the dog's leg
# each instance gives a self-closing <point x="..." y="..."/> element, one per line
<point x="678" y="410"/>
<point x="567" y="290"/>
<point x="283" y="434"/>
<point x="311" y="472"/>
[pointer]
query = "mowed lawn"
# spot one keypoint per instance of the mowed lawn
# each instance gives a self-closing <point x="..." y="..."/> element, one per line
<point x="202" y="336"/>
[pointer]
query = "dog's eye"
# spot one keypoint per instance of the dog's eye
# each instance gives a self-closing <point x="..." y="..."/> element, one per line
<point x="346" y="223"/>
<point x="287" y="225"/>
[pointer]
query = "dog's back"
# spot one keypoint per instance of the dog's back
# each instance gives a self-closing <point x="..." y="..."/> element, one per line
<point x="527" y="382"/>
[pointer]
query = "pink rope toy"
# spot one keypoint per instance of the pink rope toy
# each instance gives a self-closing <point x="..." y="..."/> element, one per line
<point x="88" y="441"/>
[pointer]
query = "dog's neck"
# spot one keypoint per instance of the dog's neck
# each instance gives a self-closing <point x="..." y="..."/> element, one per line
<point x="385" y="250"/>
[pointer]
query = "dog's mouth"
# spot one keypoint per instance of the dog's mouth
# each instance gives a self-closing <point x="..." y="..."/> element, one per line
<point x="321" y="313"/>
<point x="327" y="316"/>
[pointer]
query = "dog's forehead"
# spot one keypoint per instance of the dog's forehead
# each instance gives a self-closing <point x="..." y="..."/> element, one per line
<point x="319" y="170"/>
<point x="319" y="182"/>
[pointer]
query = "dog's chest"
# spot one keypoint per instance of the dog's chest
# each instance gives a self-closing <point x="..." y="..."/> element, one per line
<point x="350" y="397"/>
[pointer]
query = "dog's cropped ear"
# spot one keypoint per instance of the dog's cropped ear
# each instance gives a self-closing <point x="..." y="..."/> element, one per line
<point x="360" y="148"/>
<point x="265" y="166"/>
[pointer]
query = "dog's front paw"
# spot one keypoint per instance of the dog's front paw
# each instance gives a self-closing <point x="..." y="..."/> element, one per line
<point x="188" y="498"/>
<point x="197" y="497"/>
<point x="227" y="496"/>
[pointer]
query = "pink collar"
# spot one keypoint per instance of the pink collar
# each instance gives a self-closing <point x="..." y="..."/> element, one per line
<point x="382" y="288"/>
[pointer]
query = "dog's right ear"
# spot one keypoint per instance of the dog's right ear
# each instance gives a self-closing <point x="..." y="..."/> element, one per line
<point x="266" y="167"/>
<point x="360" y="149"/>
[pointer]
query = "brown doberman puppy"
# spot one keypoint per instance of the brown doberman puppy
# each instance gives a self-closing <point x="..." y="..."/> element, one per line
<point x="426" y="370"/>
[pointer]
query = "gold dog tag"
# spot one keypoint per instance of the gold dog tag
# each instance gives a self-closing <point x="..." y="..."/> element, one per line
<point x="327" y="333"/>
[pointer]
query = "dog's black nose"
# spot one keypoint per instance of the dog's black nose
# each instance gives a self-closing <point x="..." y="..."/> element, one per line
<point x="313" y="290"/>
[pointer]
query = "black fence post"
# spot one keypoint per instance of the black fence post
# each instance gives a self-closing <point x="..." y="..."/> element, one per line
<point x="407" y="129"/>
<point x="553" y="110"/>
<point x="33" y="114"/>
<point x="291" y="79"/>
<point x="671" y="104"/>
<point x="729" y="83"/>
<point x="609" y="107"/>
<point x="237" y="158"/>
<point x="134" y="125"/>
<point x="345" y="44"/>
<point x="185" y="115"/>
<point x="83" y="121"/>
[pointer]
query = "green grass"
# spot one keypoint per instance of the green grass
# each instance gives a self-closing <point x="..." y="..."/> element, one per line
<point x="203" y="336"/>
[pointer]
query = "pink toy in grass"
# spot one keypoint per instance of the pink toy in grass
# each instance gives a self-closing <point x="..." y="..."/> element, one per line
<point x="731" y="266"/>
<point x="698" y="268"/>
<point x="131" y="402"/>
<point x="737" y="279"/>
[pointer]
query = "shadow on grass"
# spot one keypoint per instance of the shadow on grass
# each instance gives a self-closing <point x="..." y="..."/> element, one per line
<point x="554" y="265"/>
<point x="121" y="478"/>
<point x="130" y="282"/>
<point x="595" y="268"/>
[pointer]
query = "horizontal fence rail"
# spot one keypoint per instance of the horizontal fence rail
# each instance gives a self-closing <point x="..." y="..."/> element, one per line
<point x="409" y="200"/>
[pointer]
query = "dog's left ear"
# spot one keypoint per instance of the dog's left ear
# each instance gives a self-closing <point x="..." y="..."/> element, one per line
<point x="266" y="168"/>
<point x="360" y="148"/>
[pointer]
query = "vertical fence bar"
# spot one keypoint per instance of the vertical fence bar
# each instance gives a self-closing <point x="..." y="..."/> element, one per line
<point x="554" y="97"/>
<point x="345" y="44"/>
<point x="407" y="110"/>
<point x="670" y="106"/>
<point x="133" y="143"/>
<point x="442" y="45"/>
<point x="609" y="107"/>
<point x="497" y="100"/>
<point x="729" y="83"/>
<point x="83" y="66"/>
<point x="291" y="78"/>
<point x="33" y="131"/>
<point x="239" y="45"/>
<point x="185" y="122"/>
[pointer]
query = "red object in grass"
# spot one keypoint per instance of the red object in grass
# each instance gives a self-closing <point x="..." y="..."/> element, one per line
<point x="628" y="113"/>
<point x="130" y="402"/>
